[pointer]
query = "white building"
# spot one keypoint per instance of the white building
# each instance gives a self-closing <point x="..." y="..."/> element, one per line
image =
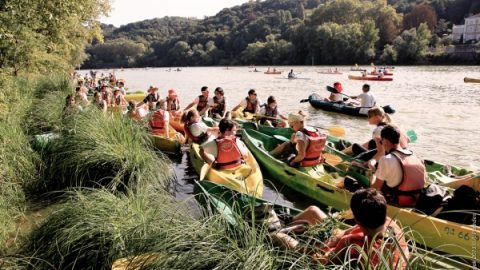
<point x="470" y="30"/>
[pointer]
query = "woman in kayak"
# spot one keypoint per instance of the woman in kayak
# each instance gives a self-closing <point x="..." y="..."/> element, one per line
<point x="305" y="146"/>
<point x="227" y="151"/>
<point x="195" y="129"/>
<point x="336" y="97"/>
<point x="218" y="107"/>
<point x="378" y="118"/>
<point x="270" y="114"/>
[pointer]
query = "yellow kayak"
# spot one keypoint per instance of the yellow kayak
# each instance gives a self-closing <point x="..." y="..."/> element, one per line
<point x="471" y="80"/>
<point x="172" y="144"/>
<point x="175" y="122"/>
<point x="246" y="178"/>
<point x="138" y="97"/>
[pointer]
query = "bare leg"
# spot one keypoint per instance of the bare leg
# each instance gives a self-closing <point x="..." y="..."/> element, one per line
<point x="312" y="215"/>
<point x="279" y="149"/>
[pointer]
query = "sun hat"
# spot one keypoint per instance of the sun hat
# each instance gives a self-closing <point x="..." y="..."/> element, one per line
<point x="338" y="86"/>
<point x="295" y="117"/>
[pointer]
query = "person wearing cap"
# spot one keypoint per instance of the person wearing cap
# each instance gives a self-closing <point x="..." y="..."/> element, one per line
<point x="307" y="143"/>
<point x="336" y="97"/>
<point x="118" y="99"/>
<point x="218" y="107"/>
<point x="151" y="98"/>
<point x="251" y="104"/>
<point x="201" y="102"/>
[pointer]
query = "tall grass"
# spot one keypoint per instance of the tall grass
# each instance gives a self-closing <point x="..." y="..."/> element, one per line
<point x="18" y="162"/>
<point x="102" y="150"/>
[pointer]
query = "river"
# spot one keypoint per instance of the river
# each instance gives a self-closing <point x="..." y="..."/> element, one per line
<point x="432" y="100"/>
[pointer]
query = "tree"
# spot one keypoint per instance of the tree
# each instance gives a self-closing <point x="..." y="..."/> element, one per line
<point x="420" y="14"/>
<point x="180" y="53"/>
<point x="389" y="55"/>
<point x="412" y="44"/>
<point x="41" y="35"/>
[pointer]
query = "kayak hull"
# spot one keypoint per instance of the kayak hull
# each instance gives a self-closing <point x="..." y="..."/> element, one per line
<point x="273" y="73"/>
<point x="169" y="145"/>
<point x="442" y="235"/>
<point x="471" y="80"/>
<point x="369" y="78"/>
<point x="342" y="107"/>
<point x="246" y="179"/>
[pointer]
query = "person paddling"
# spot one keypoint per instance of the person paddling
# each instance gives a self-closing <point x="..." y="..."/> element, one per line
<point x="291" y="75"/>
<point x="201" y="101"/>
<point x="367" y="100"/>
<point x="226" y="152"/>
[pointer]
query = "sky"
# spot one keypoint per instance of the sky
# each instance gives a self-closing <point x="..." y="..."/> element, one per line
<point x="127" y="11"/>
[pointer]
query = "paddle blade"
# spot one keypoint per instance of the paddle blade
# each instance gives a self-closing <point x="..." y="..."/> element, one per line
<point x="204" y="171"/>
<point x="412" y="136"/>
<point x="304" y="100"/>
<point x="332" y="159"/>
<point x="336" y="131"/>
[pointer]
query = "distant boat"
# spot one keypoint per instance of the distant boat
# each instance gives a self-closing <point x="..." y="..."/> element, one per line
<point x="370" y="78"/>
<point x="471" y="80"/>
<point x="332" y="72"/>
<point x="272" y="72"/>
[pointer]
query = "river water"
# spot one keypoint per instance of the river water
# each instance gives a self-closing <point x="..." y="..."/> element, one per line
<point x="432" y="100"/>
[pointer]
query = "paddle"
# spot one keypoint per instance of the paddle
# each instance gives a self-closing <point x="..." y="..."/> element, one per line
<point x="204" y="171"/>
<point x="412" y="136"/>
<point x="335" y="91"/>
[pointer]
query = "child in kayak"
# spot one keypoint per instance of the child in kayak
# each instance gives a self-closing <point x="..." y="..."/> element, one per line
<point x="336" y="97"/>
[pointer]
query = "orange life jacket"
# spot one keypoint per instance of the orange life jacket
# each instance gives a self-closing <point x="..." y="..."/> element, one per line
<point x="251" y="106"/>
<point x="228" y="154"/>
<point x="173" y="105"/>
<point x="202" y="103"/>
<point x="413" y="180"/>
<point x="374" y="247"/>
<point x="313" y="153"/>
<point x="157" y="122"/>
<point x="200" y="139"/>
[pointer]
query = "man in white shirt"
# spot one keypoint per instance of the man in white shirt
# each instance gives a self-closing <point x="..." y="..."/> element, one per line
<point x="367" y="100"/>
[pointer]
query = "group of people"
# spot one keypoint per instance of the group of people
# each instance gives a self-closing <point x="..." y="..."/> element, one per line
<point x="367" y="99"/>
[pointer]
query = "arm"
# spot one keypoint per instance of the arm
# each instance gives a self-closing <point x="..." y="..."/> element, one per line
<point x="190" y="106"/>
<point x="301" y="152"/>
<point x="209" y="158"/>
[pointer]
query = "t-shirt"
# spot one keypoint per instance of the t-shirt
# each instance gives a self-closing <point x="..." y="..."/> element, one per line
<point x="243" y="103"/>
<point x="300" y="136"/>
<point x="389" y="170"/>
<point x="377" y="132"/>
<point x="198" y="129"/>
<point x="209" y="100"/>
<point x="211" y="147"/>
<point x="152" y="97"/>
<point x="263" y="110"/>
<point x="336" y="97"/>
<point x="367" y="100"/>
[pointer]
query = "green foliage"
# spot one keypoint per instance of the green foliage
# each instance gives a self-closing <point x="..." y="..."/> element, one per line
<point x="115" y="53"/>
<point x="412" y="44"/>
<point x="42" y="36"/>
<point x="389" y="55"/>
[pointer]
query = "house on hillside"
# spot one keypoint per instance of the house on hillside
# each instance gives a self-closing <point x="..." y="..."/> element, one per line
<point x="470" y="31"/>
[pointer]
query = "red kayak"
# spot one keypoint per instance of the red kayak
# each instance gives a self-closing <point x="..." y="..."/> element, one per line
<point x="370" y="78"/>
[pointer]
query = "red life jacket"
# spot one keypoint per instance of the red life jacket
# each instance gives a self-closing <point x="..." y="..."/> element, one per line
<point x="413" y="180"/>
<point x="374" y="247"/>
<point x="202" y="103"/>
<point x="313" y="153"/>
<point x="157" y="122"/>
<point x="228" y="154"/>
<point x="200" y="139"/>
<point x="173" y="105"/>
<point x="251" y="106"/>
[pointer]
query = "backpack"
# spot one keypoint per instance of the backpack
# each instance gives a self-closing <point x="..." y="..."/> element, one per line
<point x="432" y="198"/>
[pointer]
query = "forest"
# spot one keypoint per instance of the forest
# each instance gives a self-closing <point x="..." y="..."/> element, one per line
<point x="291" y="32"/>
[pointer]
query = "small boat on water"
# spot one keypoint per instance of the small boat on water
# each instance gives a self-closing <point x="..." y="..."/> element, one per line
<point x="330" y="72"/>
<point x="317" y="102"/>
<point x="272" y="72"/>
<point x="169" y="145"/>
<point x="247" y="178"/>
<point x="471" y="80"/>
<point x="386" y="73"/>
<point x="357" y="69"/>
<point x="323" y="185"/>
<point x="369" y="78"/>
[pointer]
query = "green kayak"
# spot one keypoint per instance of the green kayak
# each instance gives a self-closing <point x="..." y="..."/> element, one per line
<point x="232" y="205"/>
<point x="320" y="184"/>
